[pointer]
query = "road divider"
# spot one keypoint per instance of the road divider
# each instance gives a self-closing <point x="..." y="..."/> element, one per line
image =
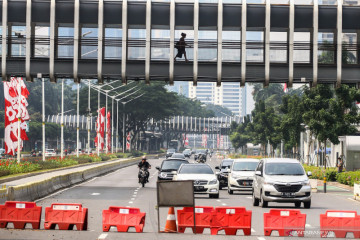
<point x="203" y="217"/>
<point x="340" y="222"/>
<point x="35" y="190"/>
<point x="231" y="219"/>
<point x="122" y="218"/>
<point x="287" y="222"/>
<point x="19" y="214"/>
<point x="66" y="216"/>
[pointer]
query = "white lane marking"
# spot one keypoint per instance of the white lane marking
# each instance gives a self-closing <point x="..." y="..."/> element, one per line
<point x="308" y="225"/>
<point x="127" y="206"/>
<point x="252" y="230"/>
<point x="224" y="204"/>
<point x="102" y="236"/>
<point x="261" y="238"/>
<point x="95" y="194"/>
<point x="132" y="199"/>
<point x="131" y="202"/>
<point x="134" y="196"/>
<point x="352" y="199"/>
<point x="249" y="197"/>
<point x="218" y="200"/>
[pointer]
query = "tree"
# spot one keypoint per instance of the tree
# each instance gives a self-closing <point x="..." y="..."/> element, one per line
<point x="239" y="135"/>
<point x="291" y="123"/>
<point x="271" y="95"/>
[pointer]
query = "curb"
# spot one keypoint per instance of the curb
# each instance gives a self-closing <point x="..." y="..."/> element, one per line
<point x="35" y="190"/>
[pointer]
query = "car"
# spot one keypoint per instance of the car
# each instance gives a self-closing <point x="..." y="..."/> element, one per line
<point x="198" y="152"/>
<point x="187" y="153"/>
<point x="168" y="166"/>
<point x="281" y="180"/>
<point x="222" y="175"/>
<point x="205" y="181"/>
<point x="170" y="152"/>
<point x="178" y="155"/>
<point x="241" y="174"/>
<point x="50" y="152"/>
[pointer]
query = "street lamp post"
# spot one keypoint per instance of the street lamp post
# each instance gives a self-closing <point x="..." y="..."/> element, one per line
<point x="77" y="120"/>
<point x="98" y="127"/>
<point x="88" y="119"/>
<point x="43" y="116"/>
<point x="62" y="121"/>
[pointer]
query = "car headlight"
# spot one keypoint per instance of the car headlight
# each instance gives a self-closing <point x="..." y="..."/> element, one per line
<point x="163" y="175"/>
<point x="269" y="182"/>
<point x="305" y="183"/>
<point x="212" y="182"/>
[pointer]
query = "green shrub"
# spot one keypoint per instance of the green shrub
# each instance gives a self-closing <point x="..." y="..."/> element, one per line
<point x="348" y="178"/>
<point x="135" y="153"/>
<point x="320" y="173"/>
<point x="4" y="173"/>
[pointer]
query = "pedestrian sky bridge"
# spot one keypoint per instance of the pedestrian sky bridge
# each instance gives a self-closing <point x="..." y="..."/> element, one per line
<point x="134" y="40"/>
<point x="177" y="124"/>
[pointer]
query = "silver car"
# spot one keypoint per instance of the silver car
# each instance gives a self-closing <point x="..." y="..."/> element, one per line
<point x="281" y="180"/>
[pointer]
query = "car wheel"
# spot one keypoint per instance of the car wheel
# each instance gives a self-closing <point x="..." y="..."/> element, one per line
<point x="230" y="191"/>
<point x="297" y="204"/>
<point x="264" y="203"/>
<point x="220" y="187"/>
<point x="307" y="204"/>
<point x="255" y="200"/>
<point x="214" y="195"/>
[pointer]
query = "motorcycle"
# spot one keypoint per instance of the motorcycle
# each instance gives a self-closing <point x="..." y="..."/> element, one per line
<point x="142" y="176"/>
<point x="201" y="158"/>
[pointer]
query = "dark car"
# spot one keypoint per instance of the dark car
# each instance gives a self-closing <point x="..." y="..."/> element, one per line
<point x="170" y="152"/>
<point x="178" y="156"/>
<point x="167" y="166"/>
<point x="200" y="152"/>
<point x="222" y="175"/>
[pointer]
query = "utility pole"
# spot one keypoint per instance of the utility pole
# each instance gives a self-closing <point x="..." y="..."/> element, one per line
<point x="43" y="115"/>
<point x="62" y="121"/>
<point x="88" y="119"/>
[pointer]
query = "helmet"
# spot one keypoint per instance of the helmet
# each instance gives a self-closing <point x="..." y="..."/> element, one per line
<point x="143" y="157"/>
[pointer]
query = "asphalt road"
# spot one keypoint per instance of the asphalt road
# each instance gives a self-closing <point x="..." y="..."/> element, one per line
<point x="120" y="188"/>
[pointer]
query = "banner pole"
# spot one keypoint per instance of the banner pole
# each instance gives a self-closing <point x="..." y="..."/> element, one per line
<point x="19" y="120"/>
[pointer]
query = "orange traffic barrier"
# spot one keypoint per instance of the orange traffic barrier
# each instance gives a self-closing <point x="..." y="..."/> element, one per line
<point x="203" y="217"/>
<point x="231" y="219"/>
<point x="340" y="222"/>
<point x="170" y="226"/>
<point x="20" y="213"/>
<point x="122" y="218"/>
<point x="285" y="221"/>
<point x="66" y="216"/>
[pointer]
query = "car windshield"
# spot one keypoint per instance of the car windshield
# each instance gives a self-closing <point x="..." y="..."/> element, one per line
<point x="171" y="150"/>
<point x="172" y="165"/>
<point x="226" y="164"/>
<point x="245" y="166"/>
<point x="177" y="155"/>
<point x="196" y="169"/>
<point x="284" y="169"/>
<point x="200" y="151"/>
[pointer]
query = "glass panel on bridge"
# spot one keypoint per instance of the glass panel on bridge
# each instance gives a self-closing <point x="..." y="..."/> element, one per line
<point x="136" y="44"/>
<point x="160" y="40"/>
<point x="89" y="43"/>
<point x="231" y="46"/>
<point x="351" y="2"/>
<point x="112" y="43"/>
<point x="208" y="46"/>
<point x="18" y="39"/>
<point x="278" y="47"/>
<point x="254" y="46"/>
<point x="326" y="52"/>
<point x="279" y="1"/>
<point x="327" y="2"/>
<point x="189" y="40"/>
<point x="303" y="2"/>
<point x="65" y="42"/>
<point x="255" y="1"/>
<point x="302" y="47"/>
<point x="42" y="41"/>
<point x="350" y="48"/>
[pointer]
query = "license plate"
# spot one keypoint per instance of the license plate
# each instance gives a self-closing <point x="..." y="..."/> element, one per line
<point x="288" y="194"/>
<point x="198" y="188"/>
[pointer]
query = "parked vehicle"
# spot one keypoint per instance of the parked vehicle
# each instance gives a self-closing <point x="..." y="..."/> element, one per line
<point x="222" y="175"/>
<point x="205" y="181"/>
<point x="50" y="153"/>
<point x="168" y="166"/>
<point x="241" y="175"/>
<point x="170" y="152"/>
<point x="281" y="180"/>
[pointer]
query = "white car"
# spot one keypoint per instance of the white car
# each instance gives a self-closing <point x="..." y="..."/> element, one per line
<point x="50" y="153"/>
<point x="281" y="180"/>
<point x="205" y="181"/>
<point x="241" y="174"/>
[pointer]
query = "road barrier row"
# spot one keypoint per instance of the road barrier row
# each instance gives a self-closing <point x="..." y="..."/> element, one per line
<point x="287" y="222"/>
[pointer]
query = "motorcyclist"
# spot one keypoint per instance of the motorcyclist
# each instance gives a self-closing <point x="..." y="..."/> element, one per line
<point x="144" y="164"/>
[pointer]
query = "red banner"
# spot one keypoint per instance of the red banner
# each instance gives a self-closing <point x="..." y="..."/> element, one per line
<point x="108" y="131"/>
<point x="128" y="141"/>
<point x="15" y="110"/>
<point x="100" y="129"/>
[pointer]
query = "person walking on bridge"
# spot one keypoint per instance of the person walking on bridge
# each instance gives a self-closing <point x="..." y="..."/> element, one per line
<point x="180" y="46"/>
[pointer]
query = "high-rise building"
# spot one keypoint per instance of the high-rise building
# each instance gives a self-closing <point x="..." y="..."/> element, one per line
<point x="229" y="95"/>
